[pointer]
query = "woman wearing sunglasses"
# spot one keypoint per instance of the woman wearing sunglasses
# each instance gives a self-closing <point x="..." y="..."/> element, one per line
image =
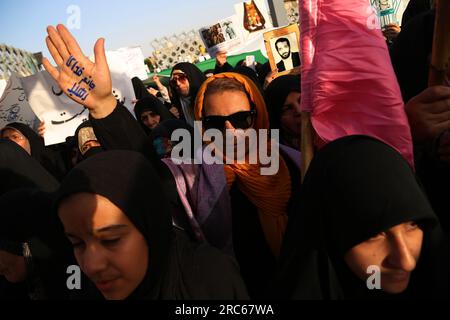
<point x="185" y="81"/>
<point x="260" y="204"/>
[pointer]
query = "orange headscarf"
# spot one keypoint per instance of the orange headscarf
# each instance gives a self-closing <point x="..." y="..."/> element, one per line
<point x="270" y="194"/>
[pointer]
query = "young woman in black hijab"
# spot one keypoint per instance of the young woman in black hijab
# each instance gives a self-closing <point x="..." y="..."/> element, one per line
<point x="362" y="210"/>
<point x="116" y="215"/>
<point x="34" y="145"/>
<point x="150" y="111"/>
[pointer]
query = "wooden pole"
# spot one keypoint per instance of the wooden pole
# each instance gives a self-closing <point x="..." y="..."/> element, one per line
<point x="441" y="44"/>
<point x="307" y="143"/>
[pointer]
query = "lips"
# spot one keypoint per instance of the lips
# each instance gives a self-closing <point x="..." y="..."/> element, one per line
<point x="105" y="285"/>
<point x="397" y="277"/>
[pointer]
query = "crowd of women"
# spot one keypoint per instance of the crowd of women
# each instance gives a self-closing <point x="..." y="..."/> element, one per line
<point x="140" y="226"/>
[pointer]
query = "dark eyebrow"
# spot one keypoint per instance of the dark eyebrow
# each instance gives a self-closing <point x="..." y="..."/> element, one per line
<point x="111" y="228"/>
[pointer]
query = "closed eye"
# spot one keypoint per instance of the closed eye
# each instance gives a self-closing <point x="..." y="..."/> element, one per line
<point x="110" y="242"/>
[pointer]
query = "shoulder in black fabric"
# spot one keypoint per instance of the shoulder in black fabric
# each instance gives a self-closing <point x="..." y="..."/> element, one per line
<point x="19" y="170"/>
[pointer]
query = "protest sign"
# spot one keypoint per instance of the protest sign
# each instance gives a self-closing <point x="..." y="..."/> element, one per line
<point x="14" y="106"/>
<point x="61" y="115"/>
<point x="223" y="36"/>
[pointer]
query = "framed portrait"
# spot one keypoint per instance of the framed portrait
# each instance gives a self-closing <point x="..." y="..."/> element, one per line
<point x="283" y="49"/>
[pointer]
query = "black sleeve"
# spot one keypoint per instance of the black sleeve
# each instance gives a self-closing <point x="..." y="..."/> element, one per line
<point x="225" y="68"/>
<point x="121" y="131"/>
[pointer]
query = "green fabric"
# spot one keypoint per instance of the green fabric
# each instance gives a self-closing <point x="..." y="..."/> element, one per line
<point x="206" y="65"/>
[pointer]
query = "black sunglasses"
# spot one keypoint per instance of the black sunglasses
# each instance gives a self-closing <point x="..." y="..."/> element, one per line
<point x="239" y="120"/>
<point x="178" y="77"/>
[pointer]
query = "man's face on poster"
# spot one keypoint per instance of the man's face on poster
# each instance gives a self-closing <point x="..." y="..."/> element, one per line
<point x="284" y="49"/>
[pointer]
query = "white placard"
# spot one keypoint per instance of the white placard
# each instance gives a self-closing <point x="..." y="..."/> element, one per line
<point x="134" y="59"/>
<point x="121" y="78"/>
<point x="62" y="115"/>
<point x="14" y="106"/>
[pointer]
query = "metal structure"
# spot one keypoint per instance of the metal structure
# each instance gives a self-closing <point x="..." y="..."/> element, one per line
<point x="16" y="60"/>
<point x="183" y="47"/>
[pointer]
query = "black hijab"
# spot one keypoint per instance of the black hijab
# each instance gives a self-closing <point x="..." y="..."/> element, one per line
<point x="37" y="144"/>
<point x="195" y="77"/>
<point x="165" y="130"/>
<point x="49" y="159"/>
<point x="411" y="52"/>
<point x="276" y="94"/>
<point x="251" y="74"/>
<point x="152" y="104"/>
<point x="26" y="218"/>
<point x="19" y="170"/>
<point x="356" y="187"/>
<point x="176" y="267"/>
<point x="140" y="91"/>
<point x="414" y="8"/>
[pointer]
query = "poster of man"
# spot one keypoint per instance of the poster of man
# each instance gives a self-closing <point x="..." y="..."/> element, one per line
<point x="283" y="49"/>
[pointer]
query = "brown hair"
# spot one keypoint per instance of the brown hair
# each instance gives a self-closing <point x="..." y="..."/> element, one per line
<point x="224" y="84"/>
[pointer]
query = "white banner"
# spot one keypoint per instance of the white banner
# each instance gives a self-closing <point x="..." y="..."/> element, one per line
<point x="134" y="59"/>
<point x="121" y="76"/>
<point x="14" y="106"/>
<point x="62" y="115"/>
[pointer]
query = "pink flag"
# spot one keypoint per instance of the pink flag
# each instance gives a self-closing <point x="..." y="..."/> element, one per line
<point x="348" y="83"/>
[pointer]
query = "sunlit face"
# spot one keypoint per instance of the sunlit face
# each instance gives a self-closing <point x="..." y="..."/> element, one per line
<point x="291" y="115"/>
<point x="12" y="267"/>
<point x="395" y="251"/>
<point x="17" y="137"/>
<point x="181" y="83"/>
<point x="108" y="247"/>
<point x="224" y="104"/>
<point x="150" y="119"/>
<point x="284" y="49"/>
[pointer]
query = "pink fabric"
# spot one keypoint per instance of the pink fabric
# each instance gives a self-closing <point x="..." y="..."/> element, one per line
<point x="348" y="83"/>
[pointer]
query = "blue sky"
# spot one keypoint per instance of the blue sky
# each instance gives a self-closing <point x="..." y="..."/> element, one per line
<point x="121" y="22"/>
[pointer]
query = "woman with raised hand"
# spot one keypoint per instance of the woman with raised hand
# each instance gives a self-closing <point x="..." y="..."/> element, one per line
<point x="89" y="83"/>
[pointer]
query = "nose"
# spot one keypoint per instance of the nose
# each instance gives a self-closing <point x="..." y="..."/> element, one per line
<point x="401" y="256"/>
<point x="93" y="261"/>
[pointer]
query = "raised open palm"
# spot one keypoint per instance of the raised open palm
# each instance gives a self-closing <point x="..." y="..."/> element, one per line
<point x="85" y="82"/>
